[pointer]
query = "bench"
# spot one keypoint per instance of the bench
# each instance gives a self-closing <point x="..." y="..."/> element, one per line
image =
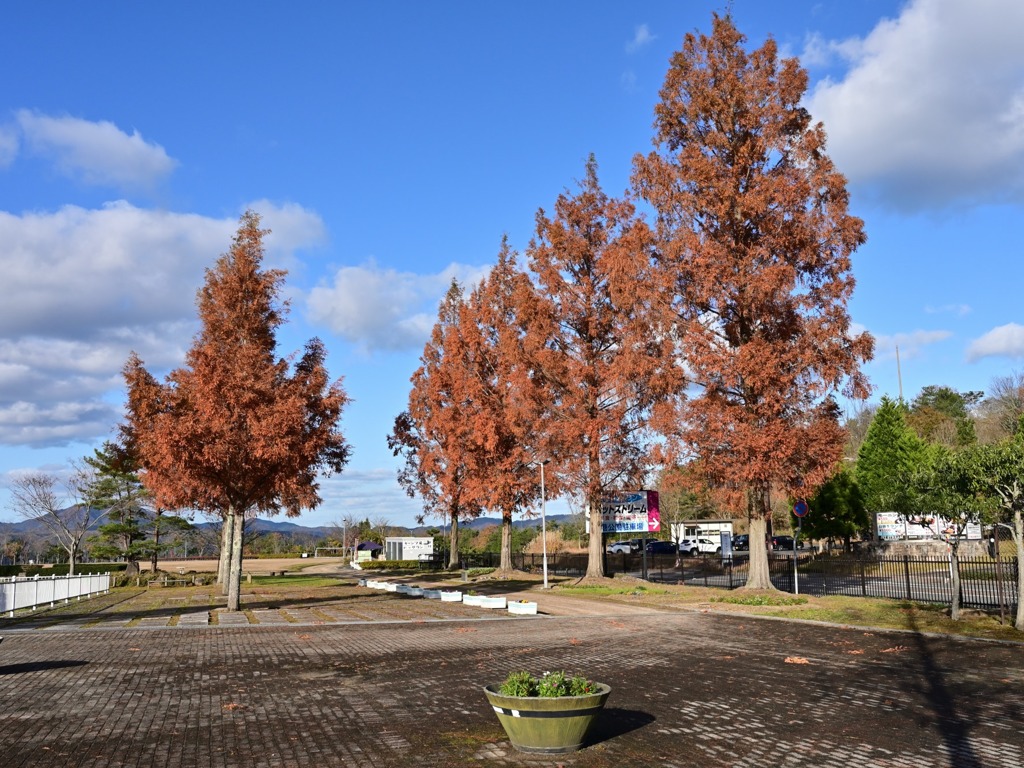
<point x="165" y="582"/>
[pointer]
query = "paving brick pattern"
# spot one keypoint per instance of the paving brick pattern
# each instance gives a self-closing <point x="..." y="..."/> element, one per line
<point x="689" y="689"/>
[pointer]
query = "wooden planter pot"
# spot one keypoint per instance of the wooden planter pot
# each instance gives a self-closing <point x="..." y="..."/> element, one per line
<point x="547" y="725"/>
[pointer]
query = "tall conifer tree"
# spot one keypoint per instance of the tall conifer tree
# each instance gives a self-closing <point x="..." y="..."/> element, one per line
<point x="608" y="366"/>
<point x="434" y="434"/>
<point x="753" y="248"/>
<point x="236" y="430"/>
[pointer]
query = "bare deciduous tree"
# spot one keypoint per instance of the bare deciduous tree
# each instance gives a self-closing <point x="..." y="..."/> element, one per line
<point x="59" y="506"/>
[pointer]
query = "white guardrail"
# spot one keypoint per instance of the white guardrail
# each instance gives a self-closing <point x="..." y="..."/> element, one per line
<point x="32" y="591"/>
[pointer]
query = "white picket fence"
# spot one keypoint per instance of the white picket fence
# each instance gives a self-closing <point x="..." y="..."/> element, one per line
<point x="32" y="591"/>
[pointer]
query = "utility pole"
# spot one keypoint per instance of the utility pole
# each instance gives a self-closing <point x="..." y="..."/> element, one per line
<point x="899" y="374"/>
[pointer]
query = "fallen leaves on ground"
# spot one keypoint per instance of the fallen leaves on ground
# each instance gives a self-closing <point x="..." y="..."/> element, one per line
<point x="895" y="649"/>
<point x="796" y="660"/>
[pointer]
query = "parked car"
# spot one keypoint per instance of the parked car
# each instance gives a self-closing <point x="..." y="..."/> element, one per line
<point x="662" y="548"/>
<point x="785" y="543"/>
<point x="741" y="542"/>
<point x="621" y="547"/>
<point x="699" y="545"/>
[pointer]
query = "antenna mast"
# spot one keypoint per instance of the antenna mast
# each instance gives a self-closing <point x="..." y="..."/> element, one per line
<point x="899" y="376"/>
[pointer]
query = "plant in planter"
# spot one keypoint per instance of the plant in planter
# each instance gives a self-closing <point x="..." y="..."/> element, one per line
<point x="548" y="714"/>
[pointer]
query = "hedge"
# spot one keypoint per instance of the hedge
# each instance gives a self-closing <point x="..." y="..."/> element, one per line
<point x="390" y="565"/>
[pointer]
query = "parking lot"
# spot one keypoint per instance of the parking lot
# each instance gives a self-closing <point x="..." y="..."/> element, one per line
<point x="394" y="688"/>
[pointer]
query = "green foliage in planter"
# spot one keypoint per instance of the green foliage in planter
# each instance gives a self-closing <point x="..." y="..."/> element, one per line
<point x="474" y="572"/>
<point x="520" y="683"/>
<point x="549" y="685"/>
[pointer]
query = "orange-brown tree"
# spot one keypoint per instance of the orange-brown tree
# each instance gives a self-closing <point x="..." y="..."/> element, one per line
<point x="753" y="245"/>
<point x="434" y="434"/>
<point x="236" y="430"/>
<point x="505" y="335"/>
<point x="608" y="366"/>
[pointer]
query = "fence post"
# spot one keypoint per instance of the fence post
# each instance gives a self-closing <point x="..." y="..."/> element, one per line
<point x="863" y="578"/>
<point x="906" y="571"/>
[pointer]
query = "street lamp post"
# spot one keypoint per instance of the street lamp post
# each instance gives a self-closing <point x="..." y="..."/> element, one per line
<point x="543" y="525"/>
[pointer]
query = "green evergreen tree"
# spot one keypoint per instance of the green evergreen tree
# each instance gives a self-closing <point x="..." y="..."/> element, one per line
<point x="887" y="460"/>
<point x="942" y="415"/>
<point x="837" y="510"/>
<point x="114" y="486"/>
<point x="134" y="527"/>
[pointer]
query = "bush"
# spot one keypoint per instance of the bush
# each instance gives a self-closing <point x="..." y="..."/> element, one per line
<point x="390" y="565"/>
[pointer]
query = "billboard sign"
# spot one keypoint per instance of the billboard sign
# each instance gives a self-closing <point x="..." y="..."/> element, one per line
<point x="893" y="526"/>
<point x="631" y="512"/>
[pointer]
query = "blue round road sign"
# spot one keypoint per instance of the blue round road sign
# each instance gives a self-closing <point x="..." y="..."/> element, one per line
<point x="800" y="508"/>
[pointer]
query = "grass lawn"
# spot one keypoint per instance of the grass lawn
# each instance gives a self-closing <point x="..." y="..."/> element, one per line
<point x="855" y="611"/>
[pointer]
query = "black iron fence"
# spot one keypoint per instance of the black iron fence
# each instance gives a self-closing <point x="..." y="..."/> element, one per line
<point x="984" y="582"/>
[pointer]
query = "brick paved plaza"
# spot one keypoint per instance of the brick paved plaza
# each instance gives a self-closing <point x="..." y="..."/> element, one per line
<point x="390" y="681"/>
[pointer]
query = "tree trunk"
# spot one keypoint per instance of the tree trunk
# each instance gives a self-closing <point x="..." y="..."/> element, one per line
<point x="224" y="564"/>
<point x="506" y="542"/>
<point x="235" y="571"/>
<point x="1018" y="538"/>
<point x="155" y="556"/>
<point x="595" y="552"/>
<point x="954" y="582"/>
<point x="453" y="547"/>
<point x="72" y="552"/>
<point x="759" y="511"/>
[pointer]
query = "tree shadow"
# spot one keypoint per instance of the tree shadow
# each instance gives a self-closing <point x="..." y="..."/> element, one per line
<point x="954" y="727"/>
<point x="38" y="666"/>
<point x="614" y="722"/>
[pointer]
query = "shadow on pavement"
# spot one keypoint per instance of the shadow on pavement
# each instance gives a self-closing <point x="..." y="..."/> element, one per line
<point x="38" y="666"/>
<point x="614" y="722"/>
<point x="954" y="727"/>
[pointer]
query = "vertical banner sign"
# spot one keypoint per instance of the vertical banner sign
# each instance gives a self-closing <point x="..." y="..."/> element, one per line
<point x="631" y="512"/>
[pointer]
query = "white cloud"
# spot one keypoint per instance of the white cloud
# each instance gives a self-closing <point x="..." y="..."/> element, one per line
<point x="960" y="310"/>
<point x="364" y="494"/>
<point x="95" y="152"/>
<point x="641" y="37"/>
<point x="84" y="287"/>
<point x="291" y="226"/>
<point x="8" y="146"/>
<point x="1004" y="341"/>
<point x="59" y="423"/>
<point x="931" y="111"/>
<point x="384" y="308"/>
<point x="910" y="344"/>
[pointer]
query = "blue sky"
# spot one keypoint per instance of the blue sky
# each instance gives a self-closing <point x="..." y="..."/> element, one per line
<point x="390" y="145"/>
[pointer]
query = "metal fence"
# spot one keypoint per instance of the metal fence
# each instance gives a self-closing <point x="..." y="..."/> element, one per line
<point x="984" y="582"/>
<point x="29" y="592"/>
